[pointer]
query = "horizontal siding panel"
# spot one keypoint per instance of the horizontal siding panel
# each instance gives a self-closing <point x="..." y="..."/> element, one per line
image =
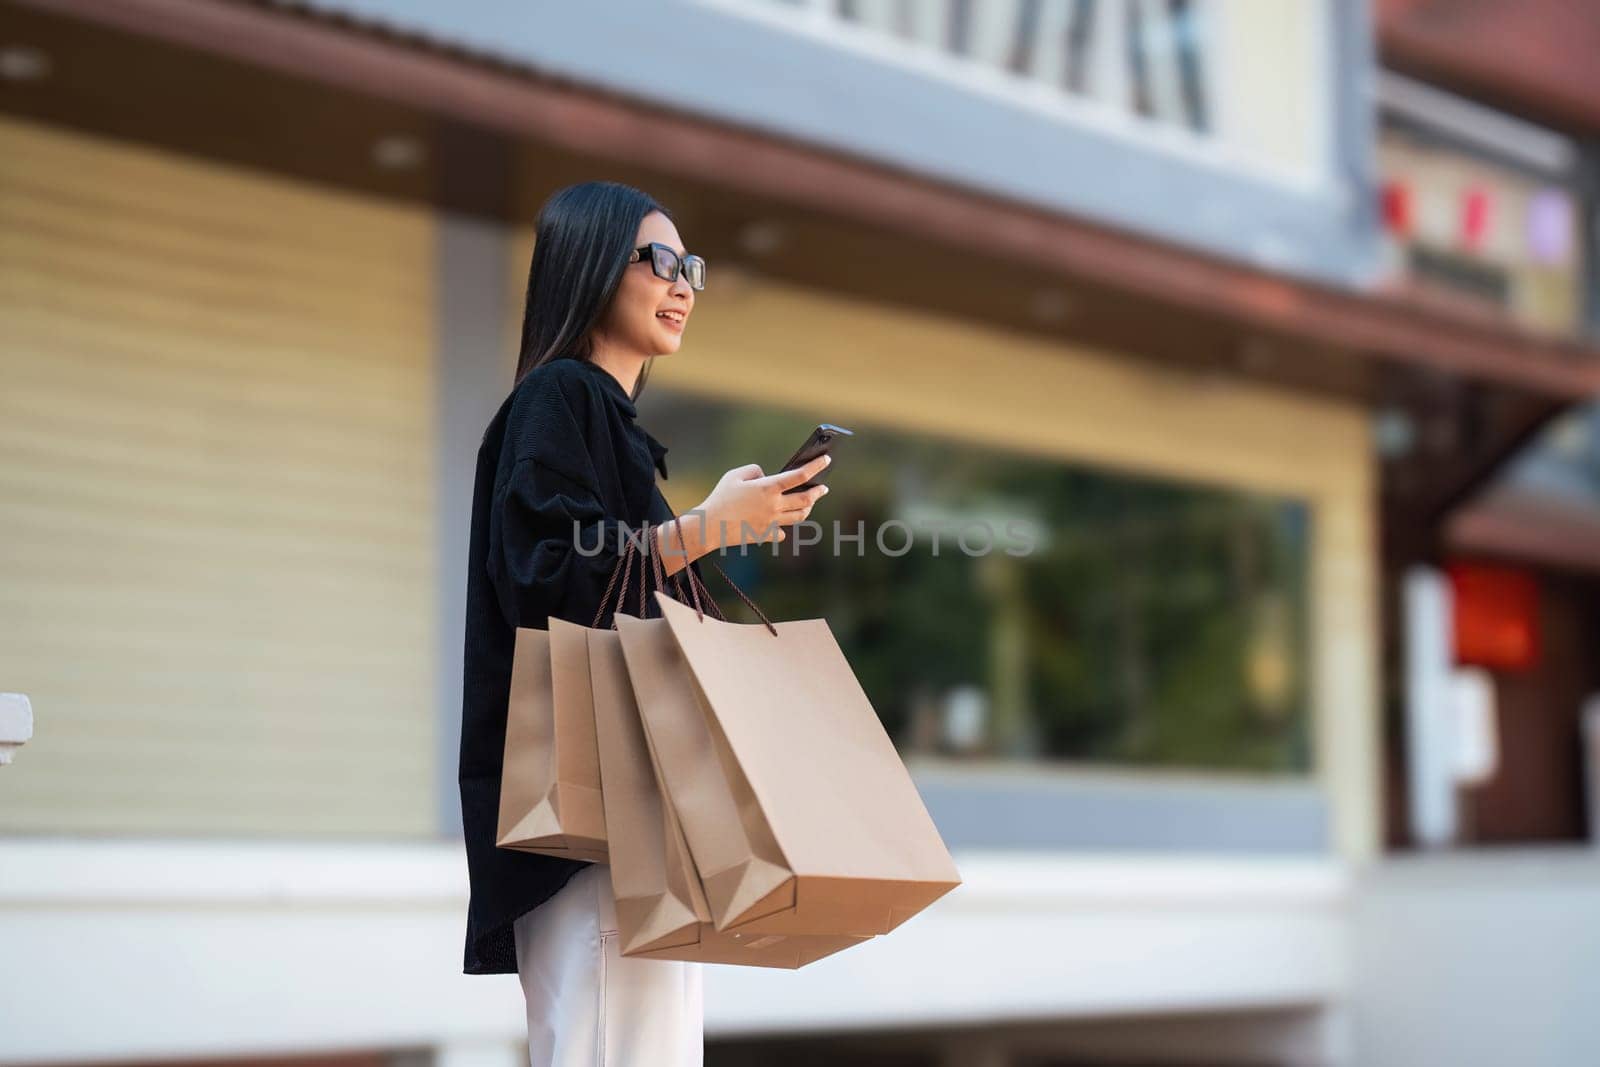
<point x="283" y="377"/>
<point x="281" y="276"/>
<point x="328" y="303"/>
<point x="216" y="497"/>
<point x="146" y="554"/>
<point x="210" y="478"/>
<point x="192" y="631"/>
<point x="121" y="180"/>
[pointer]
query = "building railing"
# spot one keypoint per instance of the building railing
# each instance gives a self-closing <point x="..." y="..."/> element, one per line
<point x="1184" y="76"/>
<point x="1147" y="58"/>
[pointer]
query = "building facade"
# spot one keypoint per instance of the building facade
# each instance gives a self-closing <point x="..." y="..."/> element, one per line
<point x="1111" y="269"/>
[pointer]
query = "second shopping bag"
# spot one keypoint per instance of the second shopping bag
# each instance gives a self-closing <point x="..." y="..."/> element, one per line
<point x="798" y="812"/>
<point x="550" y="800"/>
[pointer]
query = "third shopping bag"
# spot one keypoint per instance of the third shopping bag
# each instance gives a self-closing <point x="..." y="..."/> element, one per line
<point x="661" y="908"/>
<point x="799" y="815"/>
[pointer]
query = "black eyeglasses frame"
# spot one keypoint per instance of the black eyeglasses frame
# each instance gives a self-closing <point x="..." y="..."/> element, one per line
<point x="680" y="264"/>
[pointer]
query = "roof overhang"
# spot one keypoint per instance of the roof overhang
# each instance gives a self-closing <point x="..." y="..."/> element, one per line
<point x="306" y="95"/>
<point x="1516" y="524"/>
<point x="1534" y="56"/>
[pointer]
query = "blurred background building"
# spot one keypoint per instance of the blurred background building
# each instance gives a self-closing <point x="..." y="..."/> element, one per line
<point x="1271" y="321"/>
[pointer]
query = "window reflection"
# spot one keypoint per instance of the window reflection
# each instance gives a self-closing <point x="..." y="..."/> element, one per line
<point x="1153" y="623"/>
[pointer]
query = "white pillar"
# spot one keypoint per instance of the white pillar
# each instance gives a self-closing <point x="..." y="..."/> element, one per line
<point x="1591" y="763"/>
<point x="16" y="724"/>
<point x="1430" y="741"/>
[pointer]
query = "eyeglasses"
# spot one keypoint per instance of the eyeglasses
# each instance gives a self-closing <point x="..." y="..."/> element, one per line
<point x="665" y="262"/>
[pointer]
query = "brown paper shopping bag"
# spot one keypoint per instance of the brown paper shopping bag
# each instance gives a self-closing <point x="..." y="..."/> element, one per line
<point x="799" y="813"/>
<point x="550" y="787"/>
<point x="550" y="799"/>
<point x="661" y="909"/>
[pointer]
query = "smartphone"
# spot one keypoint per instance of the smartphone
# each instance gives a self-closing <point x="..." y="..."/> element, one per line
<point x="820" y="441"/>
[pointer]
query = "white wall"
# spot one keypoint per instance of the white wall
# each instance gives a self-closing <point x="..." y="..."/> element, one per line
<point x="1488" y="959"/>
<point x="151" y="950"/>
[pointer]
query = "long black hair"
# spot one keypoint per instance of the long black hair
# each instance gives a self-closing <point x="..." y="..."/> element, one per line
<point x="581" y="245"/>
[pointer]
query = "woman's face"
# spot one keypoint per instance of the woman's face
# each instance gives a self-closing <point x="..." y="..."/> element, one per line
<point x="637" y="319"/>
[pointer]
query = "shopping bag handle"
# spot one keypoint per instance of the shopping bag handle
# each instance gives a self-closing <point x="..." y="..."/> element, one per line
<point x="699" y="595"/>
<point x="696" y="586"/>
<point x="635" y="543"/>
<point x="623" y="568"/>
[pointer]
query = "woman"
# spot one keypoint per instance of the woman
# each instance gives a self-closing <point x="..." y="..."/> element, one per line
<point x="564" y="464"/>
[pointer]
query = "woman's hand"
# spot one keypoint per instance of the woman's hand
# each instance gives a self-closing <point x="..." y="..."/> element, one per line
<point x="748" y="507"/>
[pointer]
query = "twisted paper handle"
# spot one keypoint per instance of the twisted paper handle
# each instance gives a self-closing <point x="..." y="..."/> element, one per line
<point x="696" y="585"/>
<point x="699" y="595"/>
<point x="616" y="597"/>
<point x="623" y="568"/>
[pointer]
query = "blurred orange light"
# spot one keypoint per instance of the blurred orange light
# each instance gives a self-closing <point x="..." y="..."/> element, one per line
<point x="1496" y="616"/>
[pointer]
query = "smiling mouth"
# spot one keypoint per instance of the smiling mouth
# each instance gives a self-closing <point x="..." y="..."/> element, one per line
<point x="671" y="316"/>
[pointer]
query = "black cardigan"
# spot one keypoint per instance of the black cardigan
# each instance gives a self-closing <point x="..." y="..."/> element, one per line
<point x="563" y="452"/>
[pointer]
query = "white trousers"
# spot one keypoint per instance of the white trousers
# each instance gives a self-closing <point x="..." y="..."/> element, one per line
<point x="590" y="1006"/>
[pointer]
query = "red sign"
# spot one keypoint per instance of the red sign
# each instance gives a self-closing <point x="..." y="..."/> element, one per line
<point x="1475" y="207"/>
<point x="1398" y="215"/>
<point x="1496" y="616"/>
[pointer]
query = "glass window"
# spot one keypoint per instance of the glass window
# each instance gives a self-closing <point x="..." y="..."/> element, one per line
<point x="1152" y="622"/>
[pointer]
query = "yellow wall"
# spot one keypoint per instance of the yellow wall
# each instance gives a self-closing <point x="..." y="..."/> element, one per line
<point x="840" y="360"/>
<point x="216" y="497"/>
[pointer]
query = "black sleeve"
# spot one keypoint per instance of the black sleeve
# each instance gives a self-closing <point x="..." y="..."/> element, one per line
<point x="552" y="547"/>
